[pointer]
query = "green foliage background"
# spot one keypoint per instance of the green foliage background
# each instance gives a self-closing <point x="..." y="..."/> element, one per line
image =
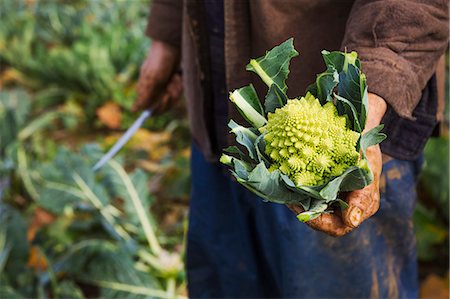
<point x="65" y="231"/>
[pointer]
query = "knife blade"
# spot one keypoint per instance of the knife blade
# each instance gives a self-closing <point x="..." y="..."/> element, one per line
<point x="123" y="140"/>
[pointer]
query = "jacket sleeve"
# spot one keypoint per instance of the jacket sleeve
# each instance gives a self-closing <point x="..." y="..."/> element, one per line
<point x="165" y="21"/>
<point x="399" y="43"/>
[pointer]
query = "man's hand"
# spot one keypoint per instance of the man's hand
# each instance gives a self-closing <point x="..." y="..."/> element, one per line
<point x="362" y="203"/>
<point x="158" y="85"/>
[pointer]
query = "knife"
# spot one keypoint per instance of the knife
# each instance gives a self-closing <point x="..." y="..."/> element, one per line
<point x="123" y="140"/>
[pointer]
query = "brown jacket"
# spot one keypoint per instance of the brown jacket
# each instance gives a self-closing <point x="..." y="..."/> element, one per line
<point x="399" y="43"/>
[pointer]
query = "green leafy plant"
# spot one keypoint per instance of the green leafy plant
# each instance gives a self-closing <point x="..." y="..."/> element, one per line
<point x="87" y="51"/>
<point x="431" y="219"/>
<point x="99" y="236"/>
<point x="18" y="135"/>
<point x="102" y="233"/>
<point x="303" y="151"/>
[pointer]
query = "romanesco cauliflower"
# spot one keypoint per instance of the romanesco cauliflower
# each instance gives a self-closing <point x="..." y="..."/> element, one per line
<point x="308" y="142"/>
<point x="307" y="150"/>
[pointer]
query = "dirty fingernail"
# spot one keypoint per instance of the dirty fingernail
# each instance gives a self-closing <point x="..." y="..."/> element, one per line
<point x="355" y="216"/>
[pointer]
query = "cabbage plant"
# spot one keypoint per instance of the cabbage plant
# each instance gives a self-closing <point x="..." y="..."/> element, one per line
<point x="307" y="150"/>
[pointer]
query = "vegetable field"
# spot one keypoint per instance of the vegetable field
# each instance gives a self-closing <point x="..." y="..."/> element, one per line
<point x="68" y="72"/>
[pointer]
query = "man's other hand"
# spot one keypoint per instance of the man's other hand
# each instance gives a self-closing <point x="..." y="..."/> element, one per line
<point x="158" y="85"/>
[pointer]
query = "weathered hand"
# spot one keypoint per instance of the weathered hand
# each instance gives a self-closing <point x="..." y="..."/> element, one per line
<point x="158" y="85"/>
<point x="362" y="203"/>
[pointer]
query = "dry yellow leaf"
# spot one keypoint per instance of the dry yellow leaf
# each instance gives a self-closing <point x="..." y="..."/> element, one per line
<point x="40" y="218"/>
<point x="153" y="143"/>
<point x="37" y="260"/>
<point x="8" y="76"/>
<point x="110" y="115"/>
<point x="434" y="287"/>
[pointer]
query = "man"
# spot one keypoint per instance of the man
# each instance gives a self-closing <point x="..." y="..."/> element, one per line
<point x="239" y="246"/>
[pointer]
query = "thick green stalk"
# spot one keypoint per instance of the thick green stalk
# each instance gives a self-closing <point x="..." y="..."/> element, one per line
<point x="150" y="235"/>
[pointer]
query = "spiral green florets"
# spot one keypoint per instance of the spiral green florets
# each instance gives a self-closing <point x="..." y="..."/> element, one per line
<point x="308" y="142"/>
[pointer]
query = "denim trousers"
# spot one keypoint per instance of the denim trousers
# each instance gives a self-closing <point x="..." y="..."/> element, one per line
<point x="241" y="247"/>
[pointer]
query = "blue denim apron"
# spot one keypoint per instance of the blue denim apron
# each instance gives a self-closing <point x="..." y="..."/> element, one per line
<point x="242" y="247"/>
